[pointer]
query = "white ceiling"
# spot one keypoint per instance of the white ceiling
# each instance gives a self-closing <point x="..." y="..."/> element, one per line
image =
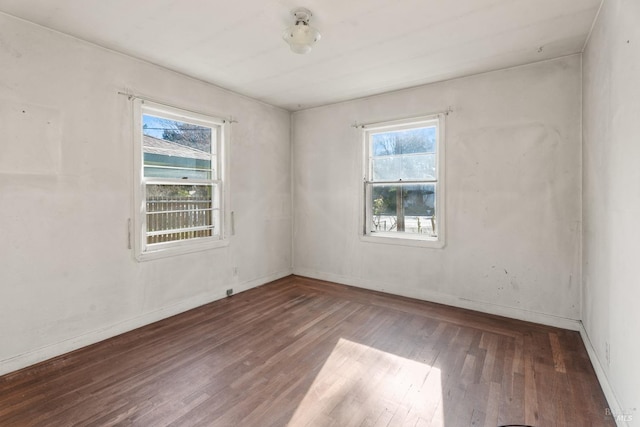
<point x="367" y="46"/>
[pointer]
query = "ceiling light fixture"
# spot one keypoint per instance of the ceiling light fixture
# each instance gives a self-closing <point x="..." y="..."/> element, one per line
<point x="301" y="36"/>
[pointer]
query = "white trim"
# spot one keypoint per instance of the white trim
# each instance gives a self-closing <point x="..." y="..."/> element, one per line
<point x="400" y="121"/>
<point x="612" y="401"/>
<point x="57" y="349"/>
<point x="414" y="240"/>
<point x="181" y="247"/>
<point x="365" y="208"/>
<point x="142" y="252"/>
<point x="446" y="299"/>
<point x="180" y="114"/>
<point x="402" y="124"/>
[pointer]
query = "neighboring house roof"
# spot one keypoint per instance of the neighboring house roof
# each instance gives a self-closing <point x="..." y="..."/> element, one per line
<point x="162" y="147"/>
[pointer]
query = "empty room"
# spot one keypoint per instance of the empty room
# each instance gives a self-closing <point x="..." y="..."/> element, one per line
<point x="319" y="213"/>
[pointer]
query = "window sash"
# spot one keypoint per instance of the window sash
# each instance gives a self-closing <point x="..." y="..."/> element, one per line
<point x="432" y="220"/>
<point x="436" y="220"/>
<point x="193" y="224"/>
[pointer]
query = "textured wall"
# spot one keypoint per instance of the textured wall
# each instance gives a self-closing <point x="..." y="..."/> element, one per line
<point x="513" y="181"/>
<point x="67" y="277"/>
<point x="611" y="202"/>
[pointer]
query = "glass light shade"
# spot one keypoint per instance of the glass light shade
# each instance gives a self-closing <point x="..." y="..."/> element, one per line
<point x="301" y="37"/>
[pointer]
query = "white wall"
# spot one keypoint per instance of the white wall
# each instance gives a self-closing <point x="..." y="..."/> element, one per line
<point x="513" y="201"/>
<point x="611" y="202"/>
<point x="513" y="177"/>
<point x="67" y="278"/>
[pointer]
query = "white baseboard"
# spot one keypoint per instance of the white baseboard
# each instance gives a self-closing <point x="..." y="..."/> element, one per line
<point x="614" y="404"/>
<point x="44" y="353"/>
<point x="446" y="299"/>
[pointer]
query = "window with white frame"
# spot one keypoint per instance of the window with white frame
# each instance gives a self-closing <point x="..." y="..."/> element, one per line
<point x="403" y="181"/>
<point x="180" y="185"/>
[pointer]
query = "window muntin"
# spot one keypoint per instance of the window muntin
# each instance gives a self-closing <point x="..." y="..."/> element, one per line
<point x="403" y="180"/>
<point x="180" y="182"/>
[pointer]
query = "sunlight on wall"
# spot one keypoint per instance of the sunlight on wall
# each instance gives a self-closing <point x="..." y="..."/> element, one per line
<point x="363" y="385"/>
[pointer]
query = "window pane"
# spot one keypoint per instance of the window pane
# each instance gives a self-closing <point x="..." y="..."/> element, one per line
<point x="409" y="168"/>
<point x="178" y="212"/>
<point x="387" y="168"/>
<point x="407" y="208"/>
<point x="419" y="140"/>
<point x="174" y="147"/>
<point x="164" y="172"/>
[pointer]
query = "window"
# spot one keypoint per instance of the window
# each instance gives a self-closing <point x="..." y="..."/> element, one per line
<point x="403" y="182"/>
<point x="179" y="170"/>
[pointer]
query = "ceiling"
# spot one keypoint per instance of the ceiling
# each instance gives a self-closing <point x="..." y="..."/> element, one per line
<point x="367" y="46"/>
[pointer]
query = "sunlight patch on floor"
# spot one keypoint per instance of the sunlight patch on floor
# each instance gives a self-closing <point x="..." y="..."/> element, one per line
<point x="361" y="385"/>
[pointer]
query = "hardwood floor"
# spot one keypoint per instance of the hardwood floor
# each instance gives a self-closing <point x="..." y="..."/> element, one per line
<point x="305" y="352"/>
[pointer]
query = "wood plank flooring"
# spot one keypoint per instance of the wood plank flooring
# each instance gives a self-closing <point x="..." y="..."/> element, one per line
<point x="303" y="352"/>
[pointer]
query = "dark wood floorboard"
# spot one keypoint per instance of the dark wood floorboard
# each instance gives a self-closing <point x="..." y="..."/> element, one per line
<point x="304" y="352"/>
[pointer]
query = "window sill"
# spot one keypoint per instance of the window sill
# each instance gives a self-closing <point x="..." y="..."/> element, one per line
<point x="403" y="240"/>
<point x="191" y="247"/>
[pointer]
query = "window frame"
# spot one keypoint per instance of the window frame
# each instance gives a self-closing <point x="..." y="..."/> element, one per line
<point x="366" y="209"/>
<point x="143" y="250"/>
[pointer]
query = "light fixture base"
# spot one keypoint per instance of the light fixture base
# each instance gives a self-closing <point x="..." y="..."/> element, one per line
<point x="302" y="14"/>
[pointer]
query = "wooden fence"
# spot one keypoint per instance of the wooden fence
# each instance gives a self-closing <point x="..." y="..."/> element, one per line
<point x="170" y="220"/>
